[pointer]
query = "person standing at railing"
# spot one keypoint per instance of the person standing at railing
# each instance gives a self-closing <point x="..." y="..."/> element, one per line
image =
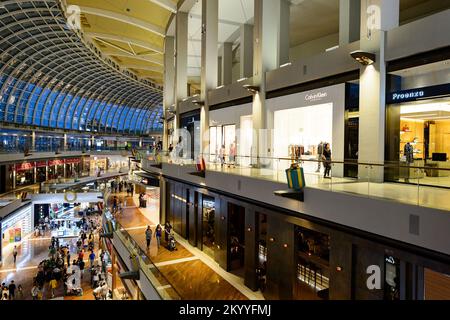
<point x="232" y="155"/>
<point x="327" y="160"/>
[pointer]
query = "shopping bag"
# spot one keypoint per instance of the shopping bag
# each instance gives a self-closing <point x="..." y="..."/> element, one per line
<point x="201" y="166"/>
<point x="295" y="178"/>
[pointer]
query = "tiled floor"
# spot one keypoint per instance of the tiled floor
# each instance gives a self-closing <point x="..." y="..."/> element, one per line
<point x="185" y="269"/>
<point x="31" y="252"/>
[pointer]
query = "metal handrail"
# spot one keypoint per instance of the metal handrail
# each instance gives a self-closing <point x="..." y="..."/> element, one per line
<point x="332" y="162"/>
<point x="126" y="234"/>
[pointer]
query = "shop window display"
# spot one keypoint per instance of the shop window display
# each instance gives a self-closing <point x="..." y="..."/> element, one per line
<point x="261" y="270"/>
<point x="313" y="254"/>
<point x="299" y="131"/>
<point x="392" y="278"/>
<point x="222" y="144"/>
<point x="16" y="226"/>
<point x="236" y="229"/>
<point x="208" y="230"/>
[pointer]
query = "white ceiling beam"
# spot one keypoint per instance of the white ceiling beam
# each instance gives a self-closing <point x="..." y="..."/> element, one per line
<point x="125" y="19"/>
<point x="112" y="53"/>
<point x="166" y="4"/>
<point x="124" y="39"/>
<point x="143" y="67"/>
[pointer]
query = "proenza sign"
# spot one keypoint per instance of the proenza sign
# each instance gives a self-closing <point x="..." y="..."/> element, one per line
<point x="419" y="94"/>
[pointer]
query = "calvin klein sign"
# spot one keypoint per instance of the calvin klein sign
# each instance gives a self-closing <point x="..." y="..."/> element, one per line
<point x="316" y="96"/>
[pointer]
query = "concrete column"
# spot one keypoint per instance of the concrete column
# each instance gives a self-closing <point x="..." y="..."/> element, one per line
<point x="246" y="54"/>
<point x="92" y="143"/>
<point x="226" y="52"/>
<point x="169" y="85"/>
<point x="33" y="141"/>
<point x="376" y="18"/>
<point x="349" y="21"/>
<point x="219" y="71"/>
<point x="210" y="34"/>
<point x="271" y="49"/>
<point x="181" y="61"/>
<point x="64" y="148"/>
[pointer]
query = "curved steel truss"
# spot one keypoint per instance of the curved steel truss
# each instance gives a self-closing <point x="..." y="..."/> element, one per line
<point x="50" y="78"/>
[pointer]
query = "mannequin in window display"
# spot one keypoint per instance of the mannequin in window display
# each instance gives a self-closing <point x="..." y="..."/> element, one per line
<point x="232" y="155"/>
<point x="409" y="157"/>
<point x="222" y="155"/>
<point x="319" y="155"/>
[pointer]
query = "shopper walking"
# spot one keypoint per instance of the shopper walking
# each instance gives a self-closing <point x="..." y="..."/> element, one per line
<point x="53" y="284"/>
<point x="19" y="292"/>
<point x="148" y="236"/>
<point x="327" y="160"/>
<point x="167" y="231"/>
<point x="158" y="235"/>
<point x="15" y="254"/>
<point x="34" y="292"/>
<point x="12" y="290"/>
<point x="91" y="259"/>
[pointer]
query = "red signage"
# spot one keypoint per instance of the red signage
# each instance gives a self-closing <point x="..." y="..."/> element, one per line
<point x="24" y="166"/>
<point x="72" y="161"/>
<point x="41" y="164"/>
<point x="55" y="162"/>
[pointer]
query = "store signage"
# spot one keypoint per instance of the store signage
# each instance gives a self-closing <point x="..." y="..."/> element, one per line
<point x="72" y="161"/>
<point x="55" y="162"/>
<point x="418" y="94"/>
<point x="316" y="96"/>
<point x="25" y="166"/>
<point x="41" y="164"/>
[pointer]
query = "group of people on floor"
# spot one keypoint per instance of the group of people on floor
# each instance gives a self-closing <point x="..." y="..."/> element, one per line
<point x="121" y="186"/>
<point x="11" y="291"/>
<point x="168" y="236"/>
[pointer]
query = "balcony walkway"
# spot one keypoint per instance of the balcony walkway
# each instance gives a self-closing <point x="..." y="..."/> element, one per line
<point x="415" y="193"/>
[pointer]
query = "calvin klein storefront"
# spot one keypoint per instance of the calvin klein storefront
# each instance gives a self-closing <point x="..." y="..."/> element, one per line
<point x="302" y="121"/>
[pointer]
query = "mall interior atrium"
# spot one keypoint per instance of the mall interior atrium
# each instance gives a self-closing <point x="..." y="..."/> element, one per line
<point x="225" y="150"/>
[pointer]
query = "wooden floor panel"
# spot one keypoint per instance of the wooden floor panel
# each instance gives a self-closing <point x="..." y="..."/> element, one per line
<point x="193" y="280"/>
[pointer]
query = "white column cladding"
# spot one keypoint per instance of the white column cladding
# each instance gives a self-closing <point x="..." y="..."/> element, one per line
<point x="64" y="147"/>
<point x="246" y="48"/>
<point x="169" y="84"/>
<point x="181" y="62"/>
<point x="271" y="49"/>
<point x="349" y="21"/>
<point x="210" y="35"/>
<point x="219" y="71"/>
<point x="33" y="141"/>
<point x="377" y="17"/>
<point x="226" y="52"/>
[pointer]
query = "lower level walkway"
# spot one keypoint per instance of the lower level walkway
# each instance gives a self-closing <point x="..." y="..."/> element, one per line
<point x="194" y="275"/>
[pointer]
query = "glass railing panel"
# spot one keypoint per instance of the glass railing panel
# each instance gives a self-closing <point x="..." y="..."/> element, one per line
<point x="427" y="186"/>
